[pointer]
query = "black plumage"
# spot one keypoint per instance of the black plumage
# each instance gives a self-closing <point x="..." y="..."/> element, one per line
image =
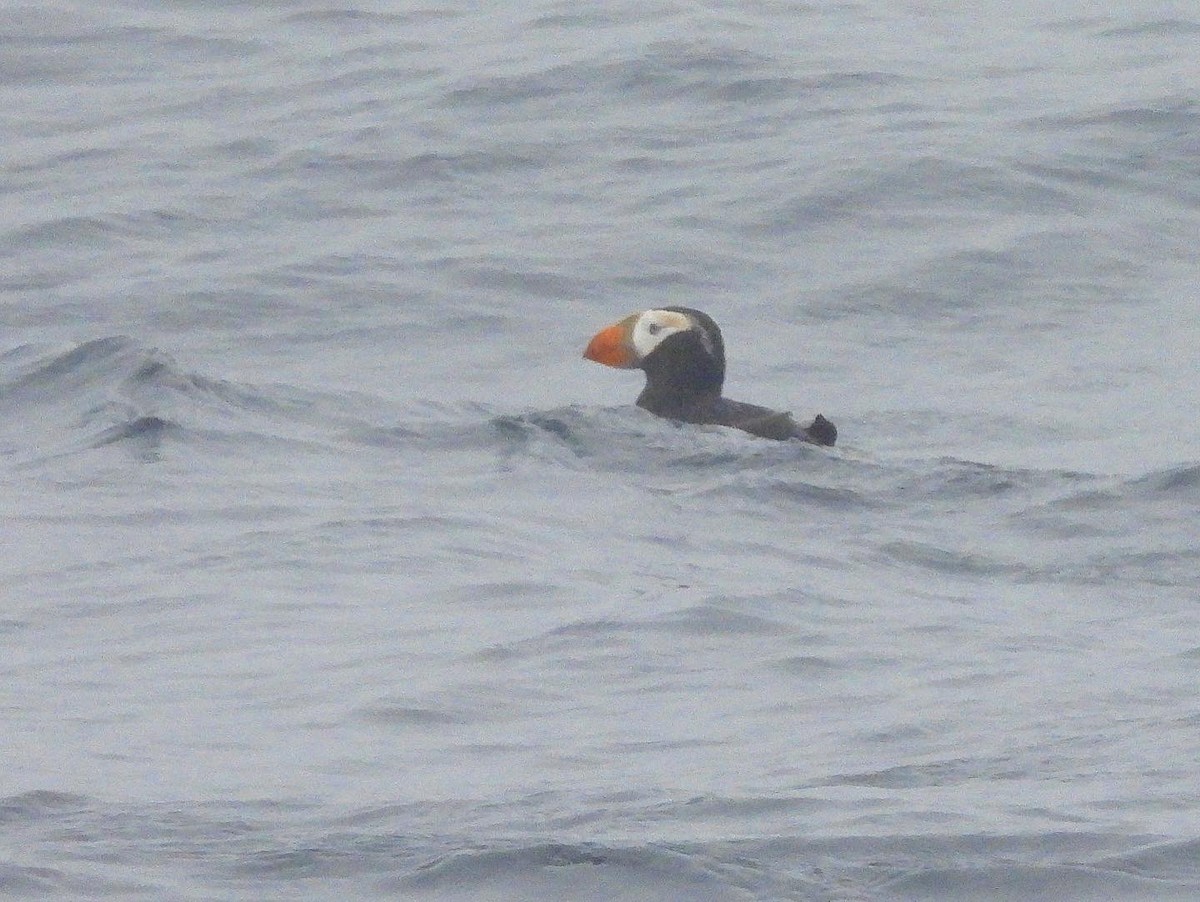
<point x="685" y="373"/>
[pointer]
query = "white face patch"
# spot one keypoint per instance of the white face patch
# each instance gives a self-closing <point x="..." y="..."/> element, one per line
<point x="655" y="325"/>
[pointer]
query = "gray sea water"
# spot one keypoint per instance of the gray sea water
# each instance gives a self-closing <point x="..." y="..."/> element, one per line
<point x="331" y="571"/>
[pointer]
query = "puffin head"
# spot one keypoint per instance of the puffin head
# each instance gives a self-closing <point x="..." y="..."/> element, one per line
<point x="679" y="348"/>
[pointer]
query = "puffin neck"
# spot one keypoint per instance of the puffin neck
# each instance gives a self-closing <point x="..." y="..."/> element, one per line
<point x="680" y="371"/>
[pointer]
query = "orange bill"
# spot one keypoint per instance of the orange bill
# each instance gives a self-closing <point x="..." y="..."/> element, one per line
<point x="611" y="346"/>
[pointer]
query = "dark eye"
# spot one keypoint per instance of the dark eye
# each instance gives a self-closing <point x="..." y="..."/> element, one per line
<point x="654" y="328"/>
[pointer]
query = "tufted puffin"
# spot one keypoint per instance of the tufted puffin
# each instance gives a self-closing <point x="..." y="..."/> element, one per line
<point x="683" y="356"/>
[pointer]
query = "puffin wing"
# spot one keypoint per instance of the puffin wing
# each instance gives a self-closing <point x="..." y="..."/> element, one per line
<point x="761" y="421"/>
<point x="767" y="423"/>
<point x="777" y="425"/>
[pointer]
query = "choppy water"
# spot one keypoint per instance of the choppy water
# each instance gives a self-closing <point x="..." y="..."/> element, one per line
<point x="331" y="570"/>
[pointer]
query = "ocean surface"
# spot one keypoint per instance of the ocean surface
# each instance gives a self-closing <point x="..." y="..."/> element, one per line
<point x="331" y="570"/>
